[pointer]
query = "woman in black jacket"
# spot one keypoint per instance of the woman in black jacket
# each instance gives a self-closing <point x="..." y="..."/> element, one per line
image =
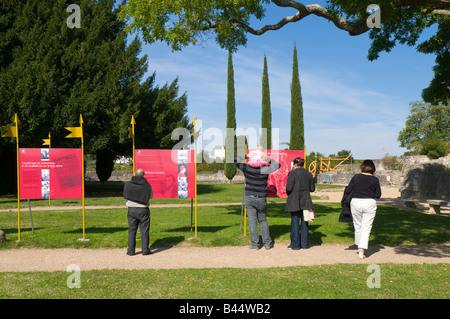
<point x="299" y="184"/>
<point x="366" y="189"/>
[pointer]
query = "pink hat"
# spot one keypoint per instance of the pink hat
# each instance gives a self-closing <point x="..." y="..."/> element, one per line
<point x="255" y="159"/>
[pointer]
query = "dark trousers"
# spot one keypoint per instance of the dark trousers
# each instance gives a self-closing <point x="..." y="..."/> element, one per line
<point x="299" y="231"/>
<point x="138" y="216"/>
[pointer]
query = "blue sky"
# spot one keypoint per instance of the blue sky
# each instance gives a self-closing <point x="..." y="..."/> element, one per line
<point x="349" y="102"/>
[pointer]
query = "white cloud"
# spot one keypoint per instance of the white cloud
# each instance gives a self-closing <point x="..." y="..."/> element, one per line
<point x="341" y="110"/>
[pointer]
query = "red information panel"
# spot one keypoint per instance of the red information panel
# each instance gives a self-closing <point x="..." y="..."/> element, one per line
<point x="276" y="185"/>
<point x="170" y="172"/>
<point x="50" y="173"/>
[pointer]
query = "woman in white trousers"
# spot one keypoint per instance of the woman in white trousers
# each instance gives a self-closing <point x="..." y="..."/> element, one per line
<point x="366" y="189"/>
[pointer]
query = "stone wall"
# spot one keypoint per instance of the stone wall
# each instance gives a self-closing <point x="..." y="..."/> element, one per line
<point x="219" y="177"/>
<point x="426" y="179"/>
<point x="203" y="178"/>
<point x="387" y="177"/>
<point x="420" y="177"/>
<point x="115" y="177"/>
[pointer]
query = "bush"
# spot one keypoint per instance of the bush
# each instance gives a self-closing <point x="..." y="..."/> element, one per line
<point x="433" y="148"/>
<point x="391" y="163"/>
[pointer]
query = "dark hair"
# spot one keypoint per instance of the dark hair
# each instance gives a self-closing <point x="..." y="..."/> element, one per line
<point x="368" y="167"/>
<point x="298" y="161"/>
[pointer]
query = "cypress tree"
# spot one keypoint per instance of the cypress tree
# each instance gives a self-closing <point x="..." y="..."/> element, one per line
<point x="297" y="134"/>
<point x="266" y="114"/>
<point x="230" y="145"/>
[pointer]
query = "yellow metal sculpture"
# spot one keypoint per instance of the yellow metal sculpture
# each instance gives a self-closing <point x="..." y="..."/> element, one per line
<point x="321" y="165"/>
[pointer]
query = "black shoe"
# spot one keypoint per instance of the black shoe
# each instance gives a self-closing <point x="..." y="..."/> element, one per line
<point x="130" y="253"/>
<point x="145" y="253"/>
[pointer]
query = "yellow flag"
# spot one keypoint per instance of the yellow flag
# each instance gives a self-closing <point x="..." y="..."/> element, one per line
<point x="75" y="132"/>
<point x="131" y="129"/>
<point x="11" y="131"/>
<point x="46" y="140"/>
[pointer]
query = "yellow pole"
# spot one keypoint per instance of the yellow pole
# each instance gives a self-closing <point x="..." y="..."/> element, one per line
<point x="82" y="169"/>
<point x="304" y="154"/>
<point x="77" y="132"/>
<point x="13" y="131"/>
<point x="245" y="208"/>
<point x="133" y="122"/>
<point x="49" y="145"/>
<point x="195" y="174"/>
<point x="18" y="177"/>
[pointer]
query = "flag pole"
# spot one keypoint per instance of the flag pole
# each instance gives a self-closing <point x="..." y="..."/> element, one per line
<point x="133" y="122"/>
<point x="18" y="176"/>
<point x="245" y="208"/>
<point x="13" y="131"/>
<point x="77" y="132"/>
<point x="195" y="174"/>
<point x="82" y="171"/>
<point x="49" y="146"/>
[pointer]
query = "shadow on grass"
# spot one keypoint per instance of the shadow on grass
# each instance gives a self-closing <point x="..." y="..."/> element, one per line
<point x="209" y="188"/>
<point x="98" y="230"/>
<point x="165" y="243"/>
<point x="13" y="231"/>
<point x="436" y="251"/>
<point x="394" y="226"/>
<point x="203" y="229"/>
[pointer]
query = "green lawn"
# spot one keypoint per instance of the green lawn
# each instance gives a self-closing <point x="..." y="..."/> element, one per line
<point x="217" y="226"/>
<point x="347" y="281"/>
<point x="111" y="194"/>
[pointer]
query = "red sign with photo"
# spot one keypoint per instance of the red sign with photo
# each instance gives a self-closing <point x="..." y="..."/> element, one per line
<point x="50" y="173"/>
<point x="276" y="185"/>
<point x="171" y="173"/>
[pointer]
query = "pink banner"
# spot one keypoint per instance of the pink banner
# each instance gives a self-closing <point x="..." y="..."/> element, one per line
<point x="170" y="172"/>
<point x="50" y="173"/>
<point x="276" y="185"/>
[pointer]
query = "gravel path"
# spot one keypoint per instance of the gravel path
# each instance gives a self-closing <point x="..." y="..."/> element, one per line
<point x="24" y="259"/>
<point x="31" y="259"/>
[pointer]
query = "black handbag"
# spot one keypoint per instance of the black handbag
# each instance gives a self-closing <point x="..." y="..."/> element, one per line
<point x="346" y="215"/>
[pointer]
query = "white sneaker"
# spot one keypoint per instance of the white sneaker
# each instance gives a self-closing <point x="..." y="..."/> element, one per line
<point x="361" y="254"/>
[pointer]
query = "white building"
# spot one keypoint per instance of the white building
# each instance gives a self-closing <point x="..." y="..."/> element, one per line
<point x="219" y="152"/>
